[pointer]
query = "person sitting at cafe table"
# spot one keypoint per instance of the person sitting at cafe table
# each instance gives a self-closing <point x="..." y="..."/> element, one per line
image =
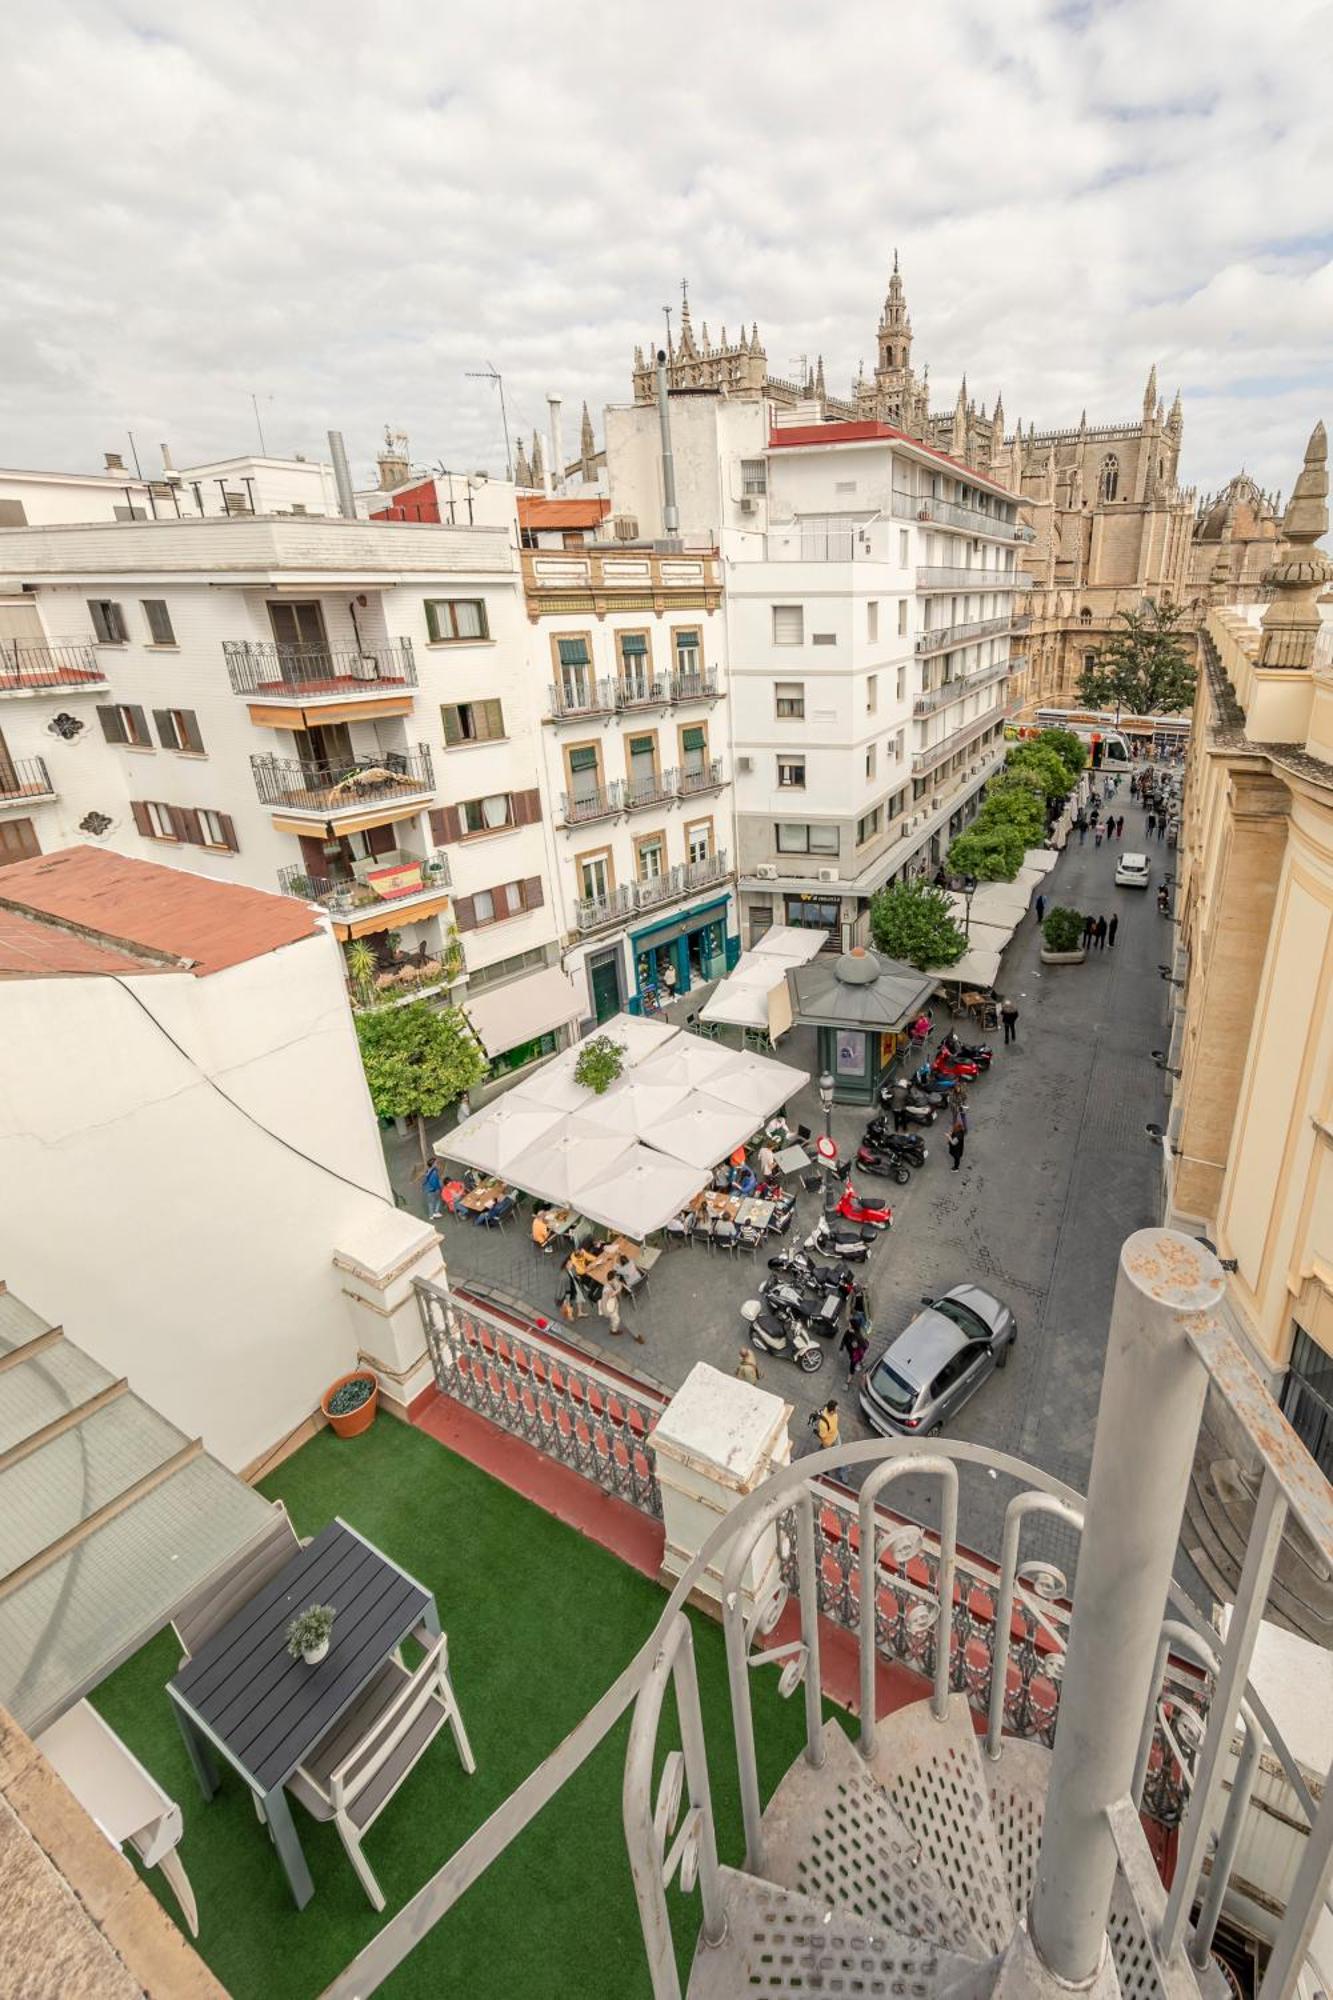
<point x="743" y="1180"/>
<point x="580" y="1264"/>
<point x="541" y="1229"/>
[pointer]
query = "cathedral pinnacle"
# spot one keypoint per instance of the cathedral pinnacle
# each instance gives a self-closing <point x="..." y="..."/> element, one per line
<point x="1290" y="625"/>
<point x="1150" y="394"/>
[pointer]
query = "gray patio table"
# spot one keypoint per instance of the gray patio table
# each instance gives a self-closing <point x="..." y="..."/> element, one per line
<point x="242" y="1697"/>
<point x="793" y="1160"/>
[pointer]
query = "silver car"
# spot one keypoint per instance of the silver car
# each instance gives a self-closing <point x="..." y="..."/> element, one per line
<point x="940" y="1358"/>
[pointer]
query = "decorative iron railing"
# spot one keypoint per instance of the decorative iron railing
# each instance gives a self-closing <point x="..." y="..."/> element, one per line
<point x="945" y="576"/>
<point x="65" y="667"/>
<point x="964" y="684"/>
<point x="928" y="760"/>
<point x="701" y="686"/>
<point x="654" y="789"/>
<point x="350" y="897"/>
<point x="276" y="670"/>
<point x="951" y="514"/>
<point x="708" y="778"/>
<point x="335" y="788"/>
<point x="946" y="637"/>
<point x="570" y="701"/>
<point x="24" y="778"/>
<point x="597" y="802"/>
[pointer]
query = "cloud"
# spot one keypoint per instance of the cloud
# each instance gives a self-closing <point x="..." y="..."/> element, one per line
<point x="344" y="210"/>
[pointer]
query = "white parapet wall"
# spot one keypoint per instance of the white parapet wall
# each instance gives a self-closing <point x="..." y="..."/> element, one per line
<point x="718" y="1439"/>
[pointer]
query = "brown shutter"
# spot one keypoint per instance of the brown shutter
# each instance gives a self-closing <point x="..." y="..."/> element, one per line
<point x="194" y="831"/>
<point x="190" y="724"/>
<point x="453" y="728"/>
<point x="228" y="825"/>
<point x="166" y="729"/>
<point x="113" y="725"/>
<point x="179" y="822"/>
<point x="527" y="807"/>
<point x="382" y="839"/>
<point x="445" y="825"/>
<point x="141" y="819"/>
<point x="142" y="733"/>
<point x="465" y="916"/>
<point x="533" y="895"/>
<point x="505" y="898"/>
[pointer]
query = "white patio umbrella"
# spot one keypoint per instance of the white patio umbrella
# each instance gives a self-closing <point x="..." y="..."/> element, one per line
<point x="1040" y="858"/>
<point x="979" y="967"/>
<point x="757" y="1086"/>
<point x="690" y="1059"/>
<point x="644" y="1192"/>
<point x="573" y="1154"/>
<point x="635" y="1106"/>
<point x="1029" y="880"/>
<point x="703" y="1130"/>
<point x="500" y="1134"/>
<point x="741" y="1006"/>
<point x="638" y="1037"/>
<point x="797" y="943"/>
<point x="992" y="903"/>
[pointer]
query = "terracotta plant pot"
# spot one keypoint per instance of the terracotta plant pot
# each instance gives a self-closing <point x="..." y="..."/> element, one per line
<point x="357" y="1420"/>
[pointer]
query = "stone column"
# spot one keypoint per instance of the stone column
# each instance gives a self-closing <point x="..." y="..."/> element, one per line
<point x="717" y="1440"/>
<point x="377" y="1263"/>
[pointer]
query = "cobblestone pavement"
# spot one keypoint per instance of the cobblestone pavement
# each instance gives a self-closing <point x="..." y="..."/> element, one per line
<point x="1058" y="1171"/>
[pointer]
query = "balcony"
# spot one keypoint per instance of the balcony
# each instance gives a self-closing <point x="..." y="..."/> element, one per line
<point x="24" y="781"/>
<point x="636" y="691"/>
<point x="384" y="892"/>
<point x="598" y="802"/>
<point x="955" y="690"/>
<point x="35" y="668"/>
<point x="689" y="784"/>
<point x="595" y="913"/>
<point x="695" y="687"/>
<point x="945" y="577"/>
<point x="948" y="636"/>
<point x="656" y="789"/>
<point x="359" y="789"/>
<point x="950" y="514"/>
<point x="582" y="699"/>
<point x="320" y="673"/>
<point x="934" y="754"/>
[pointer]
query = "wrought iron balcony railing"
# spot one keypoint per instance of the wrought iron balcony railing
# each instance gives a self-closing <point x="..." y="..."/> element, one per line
<point x="320" y="670"/>
<point x="964" y="684"/>
<point x="708" y="778"/>
<point x="934" y="754"/>
<point x="599" y="802"/>
<point x="63" y="668"/>
<point x="951" y="514"/>
<point x="642" y="691"/>
<point x="945" y="576"/>
<point x="595" y="913"/>
<point x="348" y="787"/>
<point x="946" y="637"/>
<point x="24" y="778"/>
<point x="653" y="790"/>
<point x="582" y="699"/>
<point x="702" y="686"/>
<point x="401" y="884"/>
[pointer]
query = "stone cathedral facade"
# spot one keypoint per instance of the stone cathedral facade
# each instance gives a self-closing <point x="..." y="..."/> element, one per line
<point x="1112" y="523"/>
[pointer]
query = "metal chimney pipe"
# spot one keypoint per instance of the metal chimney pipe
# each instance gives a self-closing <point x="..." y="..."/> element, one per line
<point x="670" y="512"/>
<point x="342" y="477"/>
<point x="557" y="470"/>
<point x="167" y="465"/>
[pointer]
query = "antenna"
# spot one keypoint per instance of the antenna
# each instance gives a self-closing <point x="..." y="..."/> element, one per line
<point x="801" y="362"/>
<point x="490" y="374"/>
<point x="134" y="449"/>
<point x="666" y="314"/>
<point x="254" y="404"/>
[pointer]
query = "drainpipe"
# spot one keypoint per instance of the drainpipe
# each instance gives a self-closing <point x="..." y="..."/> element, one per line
<point x="670" y="512"/>
<point x="342" y="477"/>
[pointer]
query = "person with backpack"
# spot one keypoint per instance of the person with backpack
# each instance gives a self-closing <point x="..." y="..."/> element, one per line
<point x="824" y="1424"/>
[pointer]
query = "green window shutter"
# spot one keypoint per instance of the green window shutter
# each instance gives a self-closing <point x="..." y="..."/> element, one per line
<point x="493" y="716"/>
<point x="583" y="760"/>
<point x="693" y="739"/>
<point x="573" y="652"/>
<point x="432" y="619"/>
<point x="633" y="642"/>
<point x="453" y="732"/>
<point x="640" y="746"/>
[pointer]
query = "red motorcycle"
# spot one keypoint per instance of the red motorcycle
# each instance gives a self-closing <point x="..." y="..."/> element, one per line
<point x="949" y="1068"/>
<point x="854" y="1207"/>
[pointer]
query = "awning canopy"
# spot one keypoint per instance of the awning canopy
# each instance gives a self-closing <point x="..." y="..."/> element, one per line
<point x="997" y="903"/>
<point x="508" y="1130"/>
<point x="798" y="943"/>
<point x="528" y="1007"/>
<point x="643" y="1193"/>
<point x="635" y="1106"/>
<point x="979" y="967"/>
<point x="702" y="1130"/>
<point x="562" y="1163"/>
<point x="109" y="1517"/>
<point x="746" y="997"/>
<point x="858" y="990"/>
<point x="1040" y="858"/>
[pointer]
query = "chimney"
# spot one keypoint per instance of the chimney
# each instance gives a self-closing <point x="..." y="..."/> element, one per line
<point x="114" y="461"/>
<point x="342" y="477"/>
<point x="167" y="465"/>
<point x="670" y="512"/>
<point x="557" y="472"/>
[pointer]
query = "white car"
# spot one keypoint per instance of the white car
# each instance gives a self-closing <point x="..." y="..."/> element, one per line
<point x="1132" y="871"/>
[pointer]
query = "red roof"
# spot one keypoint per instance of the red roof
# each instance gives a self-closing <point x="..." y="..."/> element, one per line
<point x="83" y="910"/>
<point x="535" y="513"/>
<point x="865" y="433"/>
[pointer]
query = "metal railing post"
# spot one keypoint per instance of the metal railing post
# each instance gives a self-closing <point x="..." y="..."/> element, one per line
<point x="1015" y="1514"/>
<point x="1151" y="1403"/>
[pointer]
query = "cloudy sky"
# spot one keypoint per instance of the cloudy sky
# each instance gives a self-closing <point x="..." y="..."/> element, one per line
<point x="345" y="208"/>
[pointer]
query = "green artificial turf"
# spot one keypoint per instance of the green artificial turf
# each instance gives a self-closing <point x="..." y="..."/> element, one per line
<point x="540" y="1621"/>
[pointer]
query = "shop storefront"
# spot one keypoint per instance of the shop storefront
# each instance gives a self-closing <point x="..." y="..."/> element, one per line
<point x="682" y="952"/>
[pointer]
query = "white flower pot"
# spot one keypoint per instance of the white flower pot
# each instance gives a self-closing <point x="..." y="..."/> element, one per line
<point x="316" y="1653"/>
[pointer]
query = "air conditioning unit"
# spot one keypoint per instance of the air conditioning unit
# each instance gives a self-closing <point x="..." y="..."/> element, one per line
<point x="766" y="872"/>
<point x="747" y="503"/>
<point x="745" y="765"/>
<point x="828" y="874"/>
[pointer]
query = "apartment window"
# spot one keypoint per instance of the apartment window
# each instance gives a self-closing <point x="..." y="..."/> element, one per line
<point x="217" y="829"/>
<point x="635" y="667"/>
<point x="899" y="744"/>
<point x="125" y="723"/>
<point x="159" y="621"/>
<point x="789" y="700"/>
<point x="870" y="761"/>
<point x="178" y="729"/>
<point x="699" y="840"/>
<point x="900" y="692"/>
<point x="872" y="694"/>
<point x="108" y="622"/>
<point x="488" y="815"/>
<point x="902" y="548"/>
<point x="823" y="638"/>
<point x="867" y="827"/>
<point x="754" y="476"/>
<point x="193" y="826"/>
<point x="472" y="721"/>
<point x="575" y="679"/>
<point x="689" y="650"/>
<point x="902" y="617"/>
<point x="1307" y="1399"/>
<point x="160" y="820"/>
<point x="788" y="625"/>
<point x="492" y="906"/>
<point x="872" y="621"/>
<point x="501" y="969"/>
<point x="651" y="859"/>
<point x="795" y="838"/>
<point x="791" y="774"/>
<point x="694" y="751"/>
<point x="450" y="619"/>
<point x="595" y="876"/>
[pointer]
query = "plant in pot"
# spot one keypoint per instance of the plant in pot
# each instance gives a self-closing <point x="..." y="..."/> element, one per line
<point x="308" y="1633"/>
<point x="1062" y="935"/>
<point x="600" y="1062"/>
<point x="350" y="1403"/>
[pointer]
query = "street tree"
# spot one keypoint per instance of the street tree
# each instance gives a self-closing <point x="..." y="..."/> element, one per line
<point x="913" y="921"/>
<point x="1046" y="765"/>
<point x="992" y="852"/>
<point x="1069" y="748"/>
<point x="1016" y="798"/>
<point x="418" y="1059"/>
<point x="1144" y="669"/>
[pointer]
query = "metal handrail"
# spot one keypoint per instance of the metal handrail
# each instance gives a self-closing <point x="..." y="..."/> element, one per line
<point x="945" y="637"/>
<point x="25" y="778"/>
<point x="259" y="667"/>
<point x="952" y="576"/>
<point x="329" y="788"/>
<point x="709" y="779"/>
<point x="964" y="684"/>
<point x="600" y="700"/>
<point x="68" y="666"/>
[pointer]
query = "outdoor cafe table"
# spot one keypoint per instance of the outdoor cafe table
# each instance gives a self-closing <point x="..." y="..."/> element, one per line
<point x="793" y="1160"/>
<point x="718" y="1206"/>
<point x="601" y="1267"/>
<point x="755" y="1214"/>
<point x="483" y="1197"/>
<point x="243" y="1697"/>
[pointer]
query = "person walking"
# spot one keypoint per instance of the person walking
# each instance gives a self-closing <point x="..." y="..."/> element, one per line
<point x="957" y="1141"/>
<point x="824" y="1423"/>
<point x="1100" y="934"/>
<point x="1152" y="821"/>
<point x="855" y="1344"/>
<point x="1161" y="826"/>
<point x="1040" y="907"/>
<point x="1009" y="1019"/>
<point x="431" y="1187"/>
<point x="1089" y="926"/>
<point x="1120" y="827"/>
<point x="1082" y="826"/>
<point x="747" y="1368"/>
<point x="1097" y="834"/>
<point x="609" y="1303"/>
<point x="1111" y="930"/>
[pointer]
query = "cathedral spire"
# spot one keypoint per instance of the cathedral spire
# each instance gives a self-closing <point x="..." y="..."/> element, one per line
<point x="819" y="377"/>
<point x="1175" y="423"/>
<point x="1150" y="394"/>
<point x="587" y="439"/>
<point x="687" y="346"/>
<point x="1290" y="625"/>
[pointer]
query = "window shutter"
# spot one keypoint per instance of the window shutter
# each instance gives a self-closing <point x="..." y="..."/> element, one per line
<point x="139" y="723"/>
<point x="166" y="729"/>
<point x="432" y="619"/>
<point x="228" y="826"/>
<point x="194" y="831"/>
<point x="190" y="724"/>
<point x="116" y="622"/>
<point x="504" y="901"/>
<point x="573" y="652"/>
<point x="97" y="612"/>
<point x="113" y="728"/>
<point x="527" y="807"/>
<point x="495" y="718"/>
<point x="180" y="824"/>
<point x="453" y="731"/>
<point x="141" y="817"/>
<point x="445" y="825"/>
<point x="693" y="739"/>
<point x="788" y="624"/>
<point x="465" y="916"/>
<point x="381" y="839"/>
<point x="533" y="896"/>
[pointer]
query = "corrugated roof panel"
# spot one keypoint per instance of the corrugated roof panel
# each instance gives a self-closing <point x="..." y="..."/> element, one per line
<point x="35" y="1392"/>
<point x="51" y="1491"/>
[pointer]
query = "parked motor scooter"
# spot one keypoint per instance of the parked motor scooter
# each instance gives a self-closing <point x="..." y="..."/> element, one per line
<point x="936" y="1089"/>
<point x="802" y="1269"/>
<point x="951" y="1069"/>
<point x="909" y="1147"/>
<point x="783" y="1337"/>
<point x="980" y="1053"/>
<point x="854" y="1207"/>
<point x="914" y="1104"/>
<point x="836" y="1237"/>
<point x="888" y="1166"/>
<point x="817" y="1312"/>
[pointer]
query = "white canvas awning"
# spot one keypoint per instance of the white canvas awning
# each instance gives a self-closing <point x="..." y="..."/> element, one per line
<point x="757" y="1086"/>
<point x="1029" y="880"/>
<point x="500" y="1136"/>
<point x="636" y="1106"/>
<point x="1040" y="858"/>
<point x="979" y="967"/>
<point x="997" y="903"/>
<point x="528" y="1007"/>
<point x="797" y="943"/>
<point x="638" y="1037"/>
<point x="690" y="1060"/>
<point x="643" y="1193"/>
<point x="702" y="1130"/>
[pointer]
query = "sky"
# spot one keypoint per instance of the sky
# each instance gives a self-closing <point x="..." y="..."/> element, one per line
<point x="342" y="210"/>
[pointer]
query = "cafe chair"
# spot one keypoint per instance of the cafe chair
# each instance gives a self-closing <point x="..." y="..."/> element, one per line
<point x="354" y="1771"/>
<point x="496" y="1217"/>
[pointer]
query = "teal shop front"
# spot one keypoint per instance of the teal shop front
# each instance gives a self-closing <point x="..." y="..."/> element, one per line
<point x="694" y="945"/>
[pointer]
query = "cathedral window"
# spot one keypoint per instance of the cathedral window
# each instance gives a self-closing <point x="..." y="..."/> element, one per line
<point x="1110" y="480"/>
<point x="1085" y="616"/>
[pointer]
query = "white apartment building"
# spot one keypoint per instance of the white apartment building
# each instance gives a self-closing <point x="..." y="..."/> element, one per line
<point x="336" y="708"/>
<point x="247" y="484"/>
<point x="630" y="642"/>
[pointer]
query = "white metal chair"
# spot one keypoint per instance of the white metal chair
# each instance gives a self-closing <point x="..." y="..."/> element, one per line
<point x="356" y="1769"/>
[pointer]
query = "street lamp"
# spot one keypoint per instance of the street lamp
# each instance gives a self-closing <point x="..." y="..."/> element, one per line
<point x="968" y="892"/>
<point x="826" y="1099"/>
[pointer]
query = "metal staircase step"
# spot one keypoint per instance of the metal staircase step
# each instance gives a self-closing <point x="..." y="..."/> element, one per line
<point x="1017" y="1781"/>
<point x="785" y="1946"/>
<point x="933" y="1776"/>
<point x="831" y="1834"/>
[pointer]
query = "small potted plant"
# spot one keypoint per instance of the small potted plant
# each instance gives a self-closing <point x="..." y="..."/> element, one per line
<point x="1062" y="935"/>
<point x="308" y="1633"/>
<point x="350" y="1403"/>
<point x="600" y="1062"/>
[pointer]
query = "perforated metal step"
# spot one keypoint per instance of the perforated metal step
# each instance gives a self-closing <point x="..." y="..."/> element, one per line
<point x="932" y="1774"/>
<point x="831" y="1834"/>
<point x="1017" y="1781"/>
<point x="785" y="1946"/>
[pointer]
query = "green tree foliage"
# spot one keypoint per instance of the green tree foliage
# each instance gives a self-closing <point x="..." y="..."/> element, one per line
<point x="1016" y="798"/>
<point x="913" y="922"/>
<point x="418" y="1059"/>
<point x="1045" y="764"/>
<point x="1063" y="929"/>
<point x="600" y="1062"/>
<point x="1145" y="669"/>
<point x="990" y="850"/>
<point x="1070" y="749"/>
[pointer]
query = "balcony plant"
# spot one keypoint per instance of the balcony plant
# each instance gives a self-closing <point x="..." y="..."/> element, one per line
<point x="600" y="1062"/>
<point x="1062" y="937"/>
<point x="308" y="1633"/>
<point x="350" y="1403"/>
<point x="362" y="966"/>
